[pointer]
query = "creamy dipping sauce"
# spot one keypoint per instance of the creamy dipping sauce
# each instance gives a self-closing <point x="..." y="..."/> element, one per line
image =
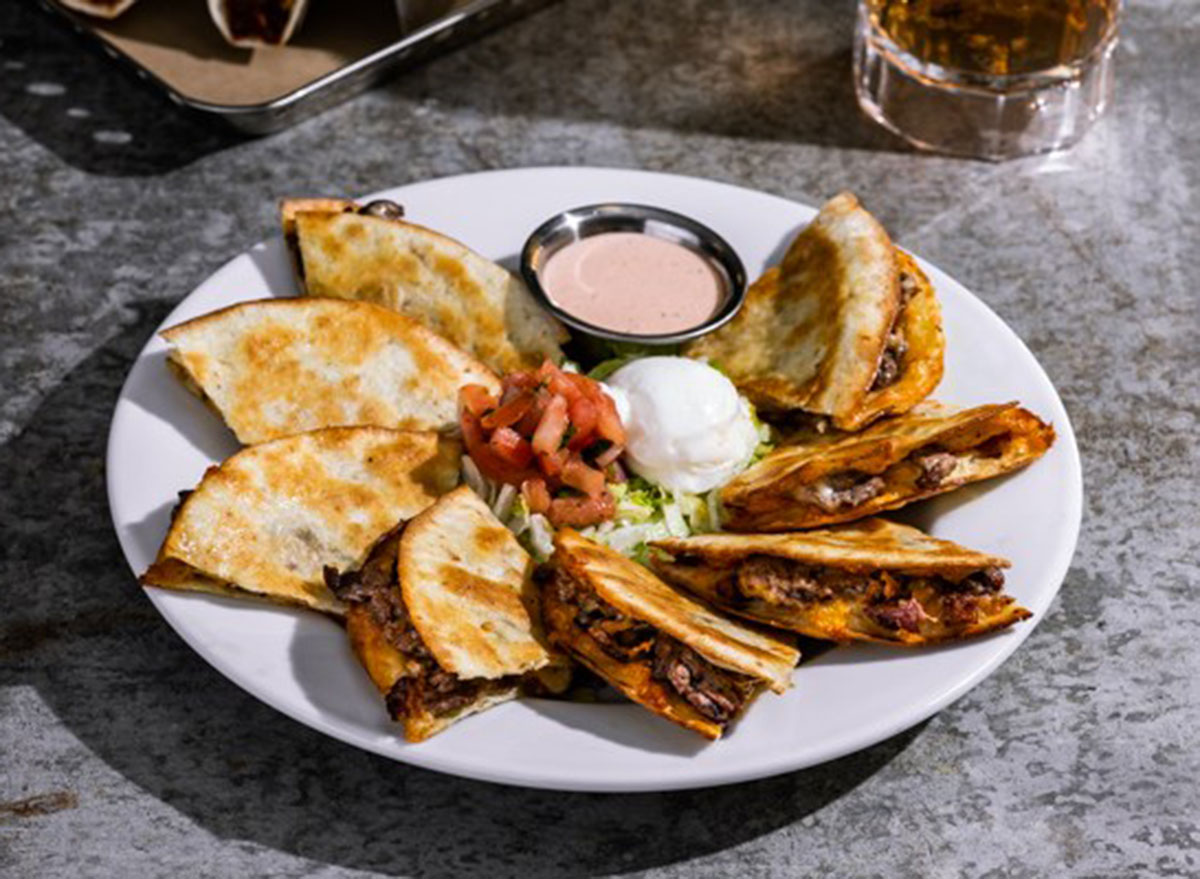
<point x="633" y="283"/>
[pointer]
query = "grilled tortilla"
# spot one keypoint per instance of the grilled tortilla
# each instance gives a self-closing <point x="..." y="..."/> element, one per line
<point x="846" y="328"/>
<point x="268" y="519"/>
<point x="927" y="451"/>
<point x="870" y="581"/>
<point x="249" y="24"/>
<point x="443" y="616"/>
<point x="475" y="303"/>
<point x="277" y="367"/>
<point x="671" y="654"/>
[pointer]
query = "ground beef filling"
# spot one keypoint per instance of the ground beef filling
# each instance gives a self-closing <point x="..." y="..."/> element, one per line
<point x="891" y="362"/>
<point x="889" y="598"/>
<point x="430" y="688"/>
<point x="852" y="488"/>
<point x="714" y="692"/>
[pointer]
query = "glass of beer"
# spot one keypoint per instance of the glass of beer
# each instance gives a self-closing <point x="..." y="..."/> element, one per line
<point x="991" y="79"/>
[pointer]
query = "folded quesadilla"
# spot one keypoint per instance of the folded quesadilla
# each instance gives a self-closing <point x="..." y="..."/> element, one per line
<point x="99" y="8"/>
<point x="276" y="367"/>
<point x="443" y="615"/>
<point x="475" y="303"/>
<point x="836" y="478"/>
<point x="847" y="328"/>
<point x="870" y="581"/>
<point x="669" y="653"/>
<point x="267" y="520"/>
<point x="252" y="23"/>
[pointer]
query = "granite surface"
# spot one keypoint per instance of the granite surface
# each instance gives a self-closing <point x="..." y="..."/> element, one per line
<point x="123" y="754"/>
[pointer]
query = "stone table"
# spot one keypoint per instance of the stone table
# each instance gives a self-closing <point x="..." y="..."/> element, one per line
<point x="122" y="753"/>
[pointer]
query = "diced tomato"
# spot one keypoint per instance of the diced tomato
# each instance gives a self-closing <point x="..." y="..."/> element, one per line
<point x="490" y="464"/>
<point x="579" y="475"/>
<point x="584" y="414"/>
<point x="520" y="381"/>
<point x="537" y="496"/>
<point x="476" y="399"/>
<point x="549" y="434"/>
<point x="608" y="422"/>
<point x="547" y="430"/>
<point x="509" y="413"/>
<point x="579" y="512"/>
<point x="511" y="447"/>
<point x="552" y="464"/>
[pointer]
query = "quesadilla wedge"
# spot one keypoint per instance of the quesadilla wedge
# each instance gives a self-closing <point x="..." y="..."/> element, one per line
<point x="443" y="615"/>
<point x="669" y="653"/>
<point x="475" y="303"/>
<point x="930" y="450"/>
<point x="267" y="520"/>
<point x="252" y="23"/>
<point x="847" y="328"/>
<point x="870" y="581"/>
<point x="276" y="367"/>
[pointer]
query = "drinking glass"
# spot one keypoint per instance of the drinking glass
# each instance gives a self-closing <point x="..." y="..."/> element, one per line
<point x="990" y="79"/>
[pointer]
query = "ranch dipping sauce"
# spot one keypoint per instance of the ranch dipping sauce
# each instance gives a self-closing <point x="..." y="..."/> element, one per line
<point x="633" y="283"/>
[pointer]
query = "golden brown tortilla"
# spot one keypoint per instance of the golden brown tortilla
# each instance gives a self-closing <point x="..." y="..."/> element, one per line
<point x="468" y="586"/>
<point x="776" y="494"/>
<point x="473" y="302"/>
<point x="906" y="565"/>
<point x="276" y="367"/>
<point x="267" y="520"/>
<point x="811" y="333"/>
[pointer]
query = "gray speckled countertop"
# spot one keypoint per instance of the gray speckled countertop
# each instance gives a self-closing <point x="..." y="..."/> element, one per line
<point x="123" y="754"/>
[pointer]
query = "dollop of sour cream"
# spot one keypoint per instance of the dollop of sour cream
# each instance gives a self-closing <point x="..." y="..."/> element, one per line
<point x="686" y="426"/>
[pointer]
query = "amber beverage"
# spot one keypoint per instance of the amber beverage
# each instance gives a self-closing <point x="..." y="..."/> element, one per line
<point x="989" y="78"/>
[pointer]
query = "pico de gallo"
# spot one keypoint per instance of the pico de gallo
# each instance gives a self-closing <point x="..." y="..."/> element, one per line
<point x="553" y="434"/>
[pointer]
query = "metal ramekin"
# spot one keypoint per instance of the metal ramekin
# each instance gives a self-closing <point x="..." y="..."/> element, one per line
<point x="582" y="222"/>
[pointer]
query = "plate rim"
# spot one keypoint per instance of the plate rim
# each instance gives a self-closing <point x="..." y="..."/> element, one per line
<point x="863" y="737"/>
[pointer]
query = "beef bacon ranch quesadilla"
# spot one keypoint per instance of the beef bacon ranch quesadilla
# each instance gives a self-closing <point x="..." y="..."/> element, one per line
<point x="443" y="615"/>
<point x="870" y="581"/>
<point x="276" y="367"/>
<point x="667" y="652"/>
<point x="847" y="327"/>
<point x="475" y="303"/>
<point x="267" y="520"/>
<point x="930" y="450"/>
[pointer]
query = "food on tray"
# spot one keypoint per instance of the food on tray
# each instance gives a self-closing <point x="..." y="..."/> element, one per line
<point x="847" y="328"/>
<point x="268" y="519"/>
<point x="929" y="450"/>
<point x="475" y="303"/>
<point x="99" y="8"/>
<point x="664" y="650"/>
<point x="555" y="435"/>
<point x="252" y="23"/>
<point x="870" y="581"/>
<point x="687" y="429"/>
<point x="276" y="367"/>
<point x="444" y="617"/>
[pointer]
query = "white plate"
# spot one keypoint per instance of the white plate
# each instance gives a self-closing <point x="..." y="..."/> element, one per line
<point x="162" y="440"/>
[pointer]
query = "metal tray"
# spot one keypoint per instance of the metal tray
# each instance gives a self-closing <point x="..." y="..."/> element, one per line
<point x="343" y="49"/>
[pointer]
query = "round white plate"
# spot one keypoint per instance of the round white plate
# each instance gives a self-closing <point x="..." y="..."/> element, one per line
<point x="163" y="438"/>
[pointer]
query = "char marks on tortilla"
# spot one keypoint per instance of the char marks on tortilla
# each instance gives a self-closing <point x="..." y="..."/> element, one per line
<point x="476" y="304"/>
<point x="270" y="518"/>
<point x="276" y="367"/>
